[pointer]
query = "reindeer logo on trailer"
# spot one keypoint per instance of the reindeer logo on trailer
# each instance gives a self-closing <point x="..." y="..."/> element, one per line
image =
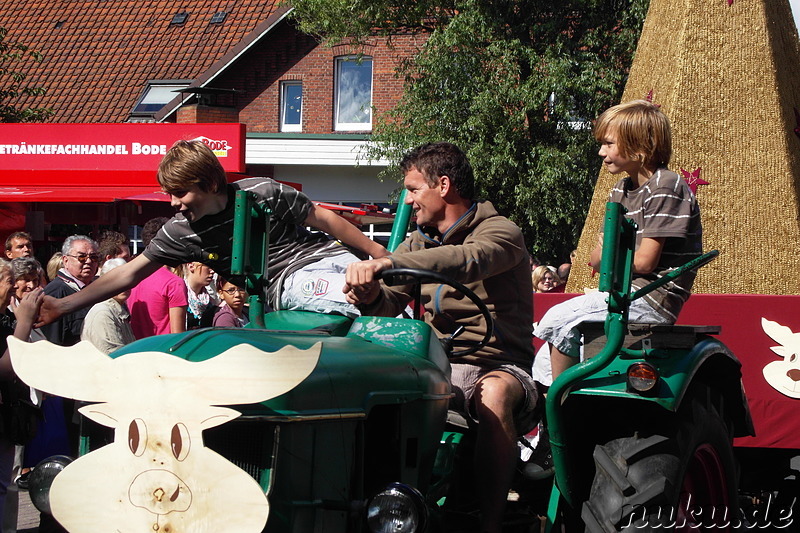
<point x="783" y="375"/>
<point x="157" y="476"/>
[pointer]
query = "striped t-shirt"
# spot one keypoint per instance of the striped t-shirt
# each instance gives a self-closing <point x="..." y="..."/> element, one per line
<point x="664" y="206"/>
<point x="209" y="239"/>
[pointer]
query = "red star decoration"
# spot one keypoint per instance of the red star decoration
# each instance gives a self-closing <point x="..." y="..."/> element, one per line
<point x="797" y="122"/>
<point x="730" y="3"/>
<point x="649" y="98"/>
<point x="693" y="179"/>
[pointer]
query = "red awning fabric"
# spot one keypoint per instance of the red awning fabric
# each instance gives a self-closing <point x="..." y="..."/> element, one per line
<point x="81" y="194"/>
<point x="359" y="216"/>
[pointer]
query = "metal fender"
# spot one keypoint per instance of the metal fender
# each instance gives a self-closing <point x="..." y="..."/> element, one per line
<point x="709" y="361"/>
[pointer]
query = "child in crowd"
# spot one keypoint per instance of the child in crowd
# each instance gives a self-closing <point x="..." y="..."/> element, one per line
<point x="635" y="139"/>
<point x="231" y="313"/>
<point x="53" y="264"/>
<point x="202" y="231"/>
<point x="203" y="305"/>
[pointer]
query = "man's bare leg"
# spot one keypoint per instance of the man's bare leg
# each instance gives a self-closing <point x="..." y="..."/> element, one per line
<point x="496" y="396"/>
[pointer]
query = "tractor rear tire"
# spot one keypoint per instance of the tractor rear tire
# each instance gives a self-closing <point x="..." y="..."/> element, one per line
<point x="683" y="481"/>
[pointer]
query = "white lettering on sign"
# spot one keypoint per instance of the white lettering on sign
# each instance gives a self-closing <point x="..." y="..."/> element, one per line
<point x="83" y="149"/>
<point x="63" y="149"/>
<point x="148" y="149"/>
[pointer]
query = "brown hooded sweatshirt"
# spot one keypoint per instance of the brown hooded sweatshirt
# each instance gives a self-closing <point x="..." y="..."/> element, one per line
<point x="486" y="252"/>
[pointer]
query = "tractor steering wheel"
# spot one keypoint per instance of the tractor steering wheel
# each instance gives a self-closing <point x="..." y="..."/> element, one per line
<point x="393" y="276"/>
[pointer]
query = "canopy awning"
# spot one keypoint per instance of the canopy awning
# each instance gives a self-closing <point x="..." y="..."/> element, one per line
<point x="74" y="194"/>
<point x="366" y="214"/>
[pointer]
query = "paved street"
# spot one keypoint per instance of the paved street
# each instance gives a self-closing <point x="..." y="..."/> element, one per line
<point x="28" y="518"/>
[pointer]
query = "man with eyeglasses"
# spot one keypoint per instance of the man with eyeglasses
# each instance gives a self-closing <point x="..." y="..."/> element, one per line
<point x="80" y="262"/>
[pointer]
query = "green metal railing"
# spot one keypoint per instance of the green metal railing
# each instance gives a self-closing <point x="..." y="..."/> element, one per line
<point x="251" y="251"/>
<point x="401" y="221"/>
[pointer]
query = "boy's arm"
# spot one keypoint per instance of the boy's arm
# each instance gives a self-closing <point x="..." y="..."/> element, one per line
<point x="645" y="259"/>
<point x="597" y="254"/>
<point x="332" y="224"/>
<point x="114" y="282"/>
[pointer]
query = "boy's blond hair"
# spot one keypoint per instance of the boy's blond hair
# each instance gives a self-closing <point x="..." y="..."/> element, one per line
<point x="642" y="131"/>
<point x="190" y="163"/>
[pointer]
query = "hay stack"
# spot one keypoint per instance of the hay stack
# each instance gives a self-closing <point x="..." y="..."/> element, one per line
<point x="728" y="77"/>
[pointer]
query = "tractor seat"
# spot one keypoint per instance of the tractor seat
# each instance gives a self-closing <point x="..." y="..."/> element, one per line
<point x="645" y="336"/>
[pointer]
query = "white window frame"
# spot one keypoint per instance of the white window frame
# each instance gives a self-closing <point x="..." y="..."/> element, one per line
<point x="284" y="88"/>
<point x="352" y="126"/>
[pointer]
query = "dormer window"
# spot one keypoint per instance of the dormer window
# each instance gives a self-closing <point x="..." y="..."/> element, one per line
<point x="156" y="95"/>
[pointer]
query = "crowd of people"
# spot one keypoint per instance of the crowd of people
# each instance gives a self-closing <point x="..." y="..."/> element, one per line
<point x="182" y="280"/>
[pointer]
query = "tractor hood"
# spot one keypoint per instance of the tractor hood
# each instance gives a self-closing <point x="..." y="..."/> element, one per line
<point x="373" y="362"/>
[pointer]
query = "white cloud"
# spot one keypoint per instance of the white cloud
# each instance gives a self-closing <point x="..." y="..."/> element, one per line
<point x="795" y="11"/>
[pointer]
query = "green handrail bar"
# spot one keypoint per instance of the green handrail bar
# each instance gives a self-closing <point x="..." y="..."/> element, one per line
<point x="401" y="220"/>
<point x="250" y="251"/>
<point x="619" y="241"/>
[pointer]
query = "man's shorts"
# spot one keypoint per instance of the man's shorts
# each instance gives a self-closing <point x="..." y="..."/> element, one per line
<point x="465" y="377"/>
<point x="318" y="287"/>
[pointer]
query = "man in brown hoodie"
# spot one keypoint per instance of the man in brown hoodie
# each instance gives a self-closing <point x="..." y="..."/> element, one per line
<point x="470" y="242"/>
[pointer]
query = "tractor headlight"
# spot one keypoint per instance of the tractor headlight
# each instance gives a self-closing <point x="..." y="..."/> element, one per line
<point x="42" y="477"/>
<point x="397" y="509"/>
<point x="642" y="377"/>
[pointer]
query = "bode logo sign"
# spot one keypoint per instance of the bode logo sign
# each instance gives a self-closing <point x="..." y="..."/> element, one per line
<point x="112" y="146"/>
<point x="220" y="148"/>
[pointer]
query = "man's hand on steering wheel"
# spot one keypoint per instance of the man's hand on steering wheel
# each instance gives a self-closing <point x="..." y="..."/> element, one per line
<point x="361" y="283"/>
<point x="418" y="276"/>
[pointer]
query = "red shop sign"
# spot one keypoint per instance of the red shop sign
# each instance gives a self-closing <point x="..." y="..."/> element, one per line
<point x="127" y="154"/>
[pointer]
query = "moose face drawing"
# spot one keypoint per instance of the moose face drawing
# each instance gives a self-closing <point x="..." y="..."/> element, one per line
<point x="783" y="375"/>
<point x="157" y="476"/>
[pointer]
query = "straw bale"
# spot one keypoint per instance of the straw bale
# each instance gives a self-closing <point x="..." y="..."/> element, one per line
<point x="728" y="77"/>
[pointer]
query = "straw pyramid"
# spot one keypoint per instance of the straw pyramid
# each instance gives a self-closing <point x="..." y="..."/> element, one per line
<point x="727" y="74"/>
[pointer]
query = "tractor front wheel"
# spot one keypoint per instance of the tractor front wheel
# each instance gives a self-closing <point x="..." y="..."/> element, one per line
<point x="681" y="481"/>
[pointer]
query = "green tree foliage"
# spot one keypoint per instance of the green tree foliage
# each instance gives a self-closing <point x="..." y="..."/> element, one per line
<point x="515" y="83"/>
<point x="12" y="54"/>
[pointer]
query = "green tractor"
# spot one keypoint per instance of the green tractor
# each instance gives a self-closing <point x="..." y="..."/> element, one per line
<point x="641" y="431"/>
